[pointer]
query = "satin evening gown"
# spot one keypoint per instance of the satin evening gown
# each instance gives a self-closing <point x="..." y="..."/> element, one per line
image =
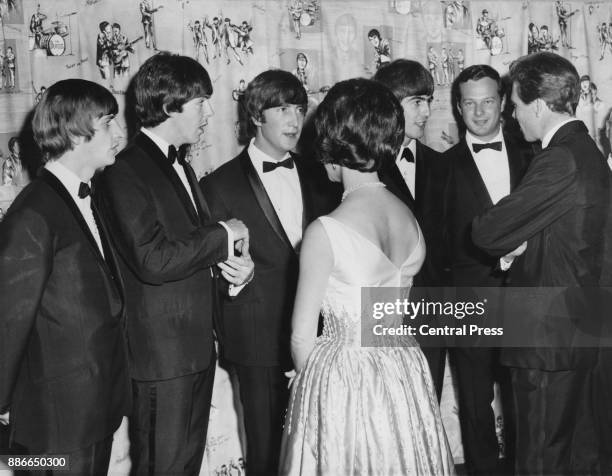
<point x="363" y="410"/>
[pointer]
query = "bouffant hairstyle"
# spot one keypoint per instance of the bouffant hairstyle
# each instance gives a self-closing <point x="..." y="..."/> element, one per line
<point x="66" y="111"/>
<point x="359" y="125"/>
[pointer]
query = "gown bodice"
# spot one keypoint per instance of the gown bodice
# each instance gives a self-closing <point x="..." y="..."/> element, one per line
<point x="359" y="263"/>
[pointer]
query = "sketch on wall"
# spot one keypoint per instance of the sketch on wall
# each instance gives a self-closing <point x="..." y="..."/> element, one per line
<point x="51" y="35"/>
<point x="304" y="16"/>
<point x="457" y="15"/>
<point x="221" y="39"/>
<point x="379" y="50"/>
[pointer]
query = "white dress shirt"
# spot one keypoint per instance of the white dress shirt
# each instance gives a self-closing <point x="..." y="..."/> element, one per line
<point x="178" y="168"/>
<point x="283" y="188"/>
<point x="492" y="165"/>
<point x="71" y="182"/>
<point x="408" y="169"/>
<point x="494" y="169"/>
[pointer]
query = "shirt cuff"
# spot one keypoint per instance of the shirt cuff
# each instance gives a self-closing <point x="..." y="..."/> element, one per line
<point x="230" y="239"/>
<point x="505" y="263"/>
<point x="235" y="290"/>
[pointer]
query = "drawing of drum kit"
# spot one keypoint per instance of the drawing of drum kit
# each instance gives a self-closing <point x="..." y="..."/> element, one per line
<point x="53" y="39"/>
<point x="496" y="45"/>
<point x="309" y="15"/>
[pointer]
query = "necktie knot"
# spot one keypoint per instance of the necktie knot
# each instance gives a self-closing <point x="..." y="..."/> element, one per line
<point x="490" y="145"/>
<point x="176" y="155"/>
<point x="407" y="155"/>
<point x="84" y="190"/>
<point x="269" y="166"/>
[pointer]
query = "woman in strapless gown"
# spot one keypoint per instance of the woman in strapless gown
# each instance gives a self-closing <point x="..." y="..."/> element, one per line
<point x="359" y="406"/>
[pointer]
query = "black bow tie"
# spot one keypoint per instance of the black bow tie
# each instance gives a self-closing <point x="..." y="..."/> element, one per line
<point x="407" y="155"/>
<point x="174" y="155"/>
<point x="269" y="166"/>
<point x="84" y="190"/>
<point x="491" y="145"/>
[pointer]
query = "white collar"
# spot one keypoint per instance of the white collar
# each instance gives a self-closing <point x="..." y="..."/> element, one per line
<point x="160" y="142"/>
<point x="258" y="156"/>
<point x="471" y="139"/>
<point x="549" y="135"/>
<point x="67" y="177"/>
<point x="412" y="146"/>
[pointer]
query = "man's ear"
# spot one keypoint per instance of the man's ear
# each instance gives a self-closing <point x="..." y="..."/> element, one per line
<point x="459" y="110"/>
<point x="256" y="121"/>
<point x="540" y="107"/>
<point x="503" y="102"/>
<point x="76" y="140"/>
<point x="169" y="114"/>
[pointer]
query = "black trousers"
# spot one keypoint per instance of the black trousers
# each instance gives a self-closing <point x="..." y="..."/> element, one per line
<point x="477" y="370"/>
<point x="602" y="402"/>
<point x="264" y="396"/>
<point x="556" y="432"/>
<point x="433" y="346"/>
<point x="169" y="423"/>
<point x="92" y="460"/>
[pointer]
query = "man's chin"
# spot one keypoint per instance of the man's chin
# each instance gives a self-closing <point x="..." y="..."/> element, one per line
<point x="416" y="134"/>
<point x="290" y="145"/>
<point x="528" y="137"/>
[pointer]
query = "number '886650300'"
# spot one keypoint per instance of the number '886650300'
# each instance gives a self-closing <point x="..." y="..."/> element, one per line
<point x="36" y="462"/>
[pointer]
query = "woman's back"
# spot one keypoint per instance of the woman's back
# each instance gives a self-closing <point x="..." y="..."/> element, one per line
<point x="379" y="216"/>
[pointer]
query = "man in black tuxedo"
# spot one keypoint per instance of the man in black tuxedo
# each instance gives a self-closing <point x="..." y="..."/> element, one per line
<point x="419" y="177"/>
<point x="276" y="193"/>
<point x="486" y="165"/>
<point x="168" y="245"/>
<point x="559" y="209"/>
<point x="64" y="381"/>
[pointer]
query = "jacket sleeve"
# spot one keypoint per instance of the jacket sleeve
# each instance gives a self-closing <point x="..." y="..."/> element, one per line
<point x="26" y="261"/>
<point x="219" y="212"/>
<point x="544" y="195"/>
<point x="152" y="253"/>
